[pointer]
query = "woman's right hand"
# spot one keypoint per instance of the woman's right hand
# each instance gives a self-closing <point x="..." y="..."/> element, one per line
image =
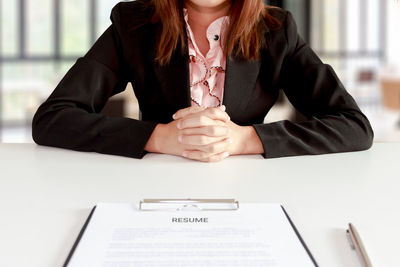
<point x="211" y="140"/>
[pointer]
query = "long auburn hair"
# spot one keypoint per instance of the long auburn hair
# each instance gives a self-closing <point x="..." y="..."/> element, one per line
<point x="244" y="37"/>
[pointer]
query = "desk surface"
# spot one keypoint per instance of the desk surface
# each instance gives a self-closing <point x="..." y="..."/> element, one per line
<point x="47" y="193"/>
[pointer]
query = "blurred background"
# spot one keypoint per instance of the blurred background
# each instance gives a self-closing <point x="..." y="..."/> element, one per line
<point x="41" y="39"/>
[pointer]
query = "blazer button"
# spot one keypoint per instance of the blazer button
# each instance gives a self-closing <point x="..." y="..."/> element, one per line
<point x="216" y="37"/>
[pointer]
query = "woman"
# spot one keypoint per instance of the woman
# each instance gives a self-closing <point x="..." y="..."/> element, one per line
<point x="205" y="73"/>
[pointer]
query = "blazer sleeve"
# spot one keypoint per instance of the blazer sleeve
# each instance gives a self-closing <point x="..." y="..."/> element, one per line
<point x="70" y="117"/>
<point x="334" y="121"/>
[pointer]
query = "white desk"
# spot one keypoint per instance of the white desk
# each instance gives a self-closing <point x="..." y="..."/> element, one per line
<point x="46" y="195"/>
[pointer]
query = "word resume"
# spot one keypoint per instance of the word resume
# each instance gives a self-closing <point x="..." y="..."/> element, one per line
<point x="121" y="235"/>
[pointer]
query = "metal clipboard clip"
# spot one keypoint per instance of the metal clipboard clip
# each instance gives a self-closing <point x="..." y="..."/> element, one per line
<point x="188" y="204"/>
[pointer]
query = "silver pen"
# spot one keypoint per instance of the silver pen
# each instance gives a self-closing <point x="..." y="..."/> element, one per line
<point x="356" y="244"/>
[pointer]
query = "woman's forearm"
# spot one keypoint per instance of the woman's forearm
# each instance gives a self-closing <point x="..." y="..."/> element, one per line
<point x="153" y="144"/>
<point x="250" y="142"/>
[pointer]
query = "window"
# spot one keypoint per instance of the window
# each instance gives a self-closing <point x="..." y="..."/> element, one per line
<point x="39" y="41"/>
<point x="350" y="35"/>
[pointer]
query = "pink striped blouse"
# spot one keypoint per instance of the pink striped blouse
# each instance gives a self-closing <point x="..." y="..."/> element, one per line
<point x="207" y="73"/>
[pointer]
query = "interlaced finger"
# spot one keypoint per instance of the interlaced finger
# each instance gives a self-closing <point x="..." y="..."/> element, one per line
<point x="212" y="113"/>
<point x="211" y="130"/>
<point x="198" y="121"/>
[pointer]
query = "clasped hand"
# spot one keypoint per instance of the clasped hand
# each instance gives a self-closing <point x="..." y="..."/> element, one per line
<point x="198" y="133"/>
<point x="205" y="134"/>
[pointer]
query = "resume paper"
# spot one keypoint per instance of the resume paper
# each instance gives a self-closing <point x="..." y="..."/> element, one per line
<point x="120" y="235"/>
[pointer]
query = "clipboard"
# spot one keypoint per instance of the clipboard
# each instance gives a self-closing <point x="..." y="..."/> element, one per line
<point x="177" y="205"/>
<point x="183" y="204"/>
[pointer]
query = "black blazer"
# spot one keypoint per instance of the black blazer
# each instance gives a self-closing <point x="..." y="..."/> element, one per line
<point x="70" y="117"/>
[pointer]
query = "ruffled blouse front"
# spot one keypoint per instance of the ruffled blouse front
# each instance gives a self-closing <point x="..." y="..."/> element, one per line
<point x="207" y="73"/>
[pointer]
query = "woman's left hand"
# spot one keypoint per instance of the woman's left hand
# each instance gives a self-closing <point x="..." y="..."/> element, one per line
<point x="196" y="124"/>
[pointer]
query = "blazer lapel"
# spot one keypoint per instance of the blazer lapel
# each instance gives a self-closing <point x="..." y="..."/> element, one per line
<point x="174" y="79"/>
<point x="240" y="80"/>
